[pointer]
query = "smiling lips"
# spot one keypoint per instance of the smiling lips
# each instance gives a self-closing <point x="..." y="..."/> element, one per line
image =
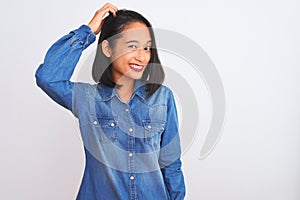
<point x="137" y="68"/>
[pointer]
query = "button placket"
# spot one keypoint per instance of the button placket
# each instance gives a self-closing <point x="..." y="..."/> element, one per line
<point x="130" y="127"/>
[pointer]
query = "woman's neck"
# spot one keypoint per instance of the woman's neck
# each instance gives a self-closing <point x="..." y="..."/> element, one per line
<point x="126" y="90"/>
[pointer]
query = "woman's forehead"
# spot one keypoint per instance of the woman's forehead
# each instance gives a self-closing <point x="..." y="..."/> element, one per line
<point x="136" y="31"/>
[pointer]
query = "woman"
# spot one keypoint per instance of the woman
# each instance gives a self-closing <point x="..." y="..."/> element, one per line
<point x="128" y="120"/>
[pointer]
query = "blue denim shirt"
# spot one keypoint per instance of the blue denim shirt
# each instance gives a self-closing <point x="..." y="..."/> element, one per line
<point x="132" y="149"/>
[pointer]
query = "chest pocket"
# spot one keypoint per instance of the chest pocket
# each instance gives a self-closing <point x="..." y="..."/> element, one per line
<point x="108" y="129"/>
<point x="152" y="132"/>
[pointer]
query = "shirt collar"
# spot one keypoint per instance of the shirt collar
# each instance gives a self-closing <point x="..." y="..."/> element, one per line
<point x="107" y="93"/>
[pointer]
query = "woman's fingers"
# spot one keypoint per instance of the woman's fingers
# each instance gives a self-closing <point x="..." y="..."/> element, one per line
<point x="106" y="11"/>
<point x="96" y="22"/>
<point x="111" y="7"/>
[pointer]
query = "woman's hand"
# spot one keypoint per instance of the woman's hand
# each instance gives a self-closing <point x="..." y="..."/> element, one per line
<point x="97" y="21"/>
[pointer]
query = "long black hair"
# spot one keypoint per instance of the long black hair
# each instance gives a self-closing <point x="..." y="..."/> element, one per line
<point x="153" y="76"/>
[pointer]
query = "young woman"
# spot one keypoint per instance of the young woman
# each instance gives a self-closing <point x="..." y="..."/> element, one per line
<point x="128" y="120"/>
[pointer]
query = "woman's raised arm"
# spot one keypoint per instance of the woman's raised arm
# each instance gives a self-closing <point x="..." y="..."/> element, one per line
<point x="53" y="75"/>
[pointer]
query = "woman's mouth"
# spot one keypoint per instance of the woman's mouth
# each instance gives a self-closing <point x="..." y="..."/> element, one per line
<point x="137" y="68"/>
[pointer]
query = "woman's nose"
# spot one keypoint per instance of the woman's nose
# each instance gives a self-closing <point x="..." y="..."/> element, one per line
<point x="140" y="55"/>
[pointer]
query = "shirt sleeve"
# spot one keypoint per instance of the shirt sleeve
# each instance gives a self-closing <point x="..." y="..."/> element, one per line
<point x="170" y="153"/>
<point x="54" y="74"/>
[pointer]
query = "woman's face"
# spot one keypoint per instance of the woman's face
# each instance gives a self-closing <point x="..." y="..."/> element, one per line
<point x="131" y="52"/>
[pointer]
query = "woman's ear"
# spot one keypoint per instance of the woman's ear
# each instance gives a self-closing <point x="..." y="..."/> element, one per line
<point x="106" y="48"/>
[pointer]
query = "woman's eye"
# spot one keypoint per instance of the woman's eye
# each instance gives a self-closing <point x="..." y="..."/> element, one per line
<point x="132" y="46"/>
<point x="147" y="48"/>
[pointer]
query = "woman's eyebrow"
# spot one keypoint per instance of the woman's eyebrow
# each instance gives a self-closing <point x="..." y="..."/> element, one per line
<point x="135" y="41"/>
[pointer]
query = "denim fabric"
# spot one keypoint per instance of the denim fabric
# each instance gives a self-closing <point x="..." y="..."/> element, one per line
<point x="132" y="149"/>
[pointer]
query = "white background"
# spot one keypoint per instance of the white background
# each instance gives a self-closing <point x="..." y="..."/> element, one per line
<point x="255" y="46"/>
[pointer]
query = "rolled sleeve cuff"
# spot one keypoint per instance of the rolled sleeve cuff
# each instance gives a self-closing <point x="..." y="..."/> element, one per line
<point x="85" y="35"/>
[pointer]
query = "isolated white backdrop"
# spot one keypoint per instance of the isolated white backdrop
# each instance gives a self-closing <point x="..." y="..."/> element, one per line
<point x="255" y="46"/>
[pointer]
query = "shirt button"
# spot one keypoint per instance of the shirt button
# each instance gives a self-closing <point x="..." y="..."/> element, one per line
<point x="127" y="109"/>
<point x="131" y="177"/>
<point x="162" y="128"/>
<point x="112" y="124"/>
<point x="130" y="154"/>
<point x="149" y="126"/>
<point x="95" y="122"/>
<point x="130" y="130"/>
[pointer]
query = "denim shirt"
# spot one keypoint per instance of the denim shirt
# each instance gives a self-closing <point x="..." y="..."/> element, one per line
<point x="132" y="149"/>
